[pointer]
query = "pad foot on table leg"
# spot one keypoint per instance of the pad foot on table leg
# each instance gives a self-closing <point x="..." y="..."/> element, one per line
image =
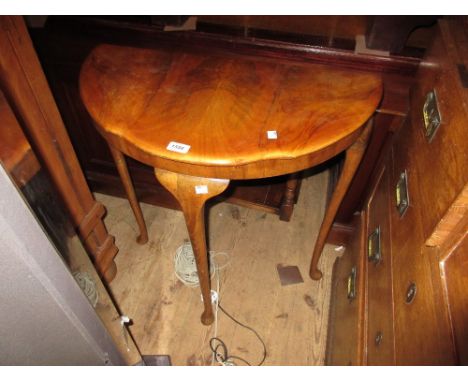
<point x="315" y="274"/>
<point x="207" y="318"/>
<point x="142" y="238"/>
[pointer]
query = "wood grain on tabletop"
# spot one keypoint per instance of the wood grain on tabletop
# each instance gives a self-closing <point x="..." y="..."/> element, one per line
<point x="223" y="106"/>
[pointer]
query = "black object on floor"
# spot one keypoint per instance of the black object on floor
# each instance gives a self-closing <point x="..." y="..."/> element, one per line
<point x="289" y="274"/>
<point x="155" y="360"/>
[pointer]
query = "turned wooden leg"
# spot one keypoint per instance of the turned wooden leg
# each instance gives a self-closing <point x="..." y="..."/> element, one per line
<point x="130" y="191"/>
<point x="192" y="192"/>
<point x="289" y="197"/>
<point x="353" y="158"/>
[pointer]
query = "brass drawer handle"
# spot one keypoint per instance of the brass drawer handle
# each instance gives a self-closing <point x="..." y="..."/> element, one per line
<point x="378" y="338"/>
<point x="373" y="247"/>
<point x="411" y="293"/>
<point x="401" y="193"/>
<point x="352" y="284"/>
<point x="431" y="115"/>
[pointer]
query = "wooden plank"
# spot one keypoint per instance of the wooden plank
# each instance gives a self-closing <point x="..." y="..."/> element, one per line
<point x="16" y="154"/>
<point x="26" y="88"/>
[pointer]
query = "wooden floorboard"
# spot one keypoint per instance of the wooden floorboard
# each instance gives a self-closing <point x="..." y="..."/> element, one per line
<point x="292" y="320"/>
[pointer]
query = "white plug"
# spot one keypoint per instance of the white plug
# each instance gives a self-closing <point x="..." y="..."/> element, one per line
<point x="124" y="320"/>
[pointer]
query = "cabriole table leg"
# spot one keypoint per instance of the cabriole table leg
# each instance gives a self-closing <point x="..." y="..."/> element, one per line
<point x="353" y="158"/>
<point x="192" y="192"/>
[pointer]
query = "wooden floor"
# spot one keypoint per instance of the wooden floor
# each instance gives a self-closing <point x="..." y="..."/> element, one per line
<point x="292" y="320"/>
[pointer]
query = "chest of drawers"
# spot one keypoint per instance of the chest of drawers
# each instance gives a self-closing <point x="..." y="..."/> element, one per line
<point x="413" y="259"/>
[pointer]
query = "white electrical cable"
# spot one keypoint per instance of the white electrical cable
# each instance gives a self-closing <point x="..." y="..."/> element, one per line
<point x="226" y="362"/>
<point x="216" y="308"/>
<point x="186" y="271"/>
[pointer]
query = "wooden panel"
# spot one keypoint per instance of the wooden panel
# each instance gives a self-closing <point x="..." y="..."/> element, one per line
<point x="444" y="160"/>
<point x="86" y="29"/>
<point x="326" y="31"/>
<point x="455" y="270"/>
<point x="329" y="26"/>
<point x="451" y="220"/>
<point x="345" y="341"/>
<point x="380" y="339"/>
<point x="436" y="174"/>
<point x="420" y="335"/>
<point x="451" y="270"/>
<point x="26" y="87"/>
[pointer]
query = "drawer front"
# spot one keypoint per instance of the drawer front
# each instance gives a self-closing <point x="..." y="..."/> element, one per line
<point x="345" y="332"/>
<point x="421" y="336"/>
<point x="380" y="340"/>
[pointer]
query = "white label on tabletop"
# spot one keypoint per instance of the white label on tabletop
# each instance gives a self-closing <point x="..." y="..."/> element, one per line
<point x="178" y="147"/>
<point x="272" y="134"/>
<point x="203" y="189"/>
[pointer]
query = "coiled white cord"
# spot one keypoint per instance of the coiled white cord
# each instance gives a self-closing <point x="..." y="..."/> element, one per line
<point x="186" y="267"/>
<point x="88" y="286"/>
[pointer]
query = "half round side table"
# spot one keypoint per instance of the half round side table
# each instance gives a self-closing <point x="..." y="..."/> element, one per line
<point x="203" y="119"/>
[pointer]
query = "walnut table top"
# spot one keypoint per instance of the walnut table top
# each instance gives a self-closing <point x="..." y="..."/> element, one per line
<point x="222" y="108"/>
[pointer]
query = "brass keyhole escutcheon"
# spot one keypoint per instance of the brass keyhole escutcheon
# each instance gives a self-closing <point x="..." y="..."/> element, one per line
<point x="378" y="338"/>
<point x="411" y="293"/>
